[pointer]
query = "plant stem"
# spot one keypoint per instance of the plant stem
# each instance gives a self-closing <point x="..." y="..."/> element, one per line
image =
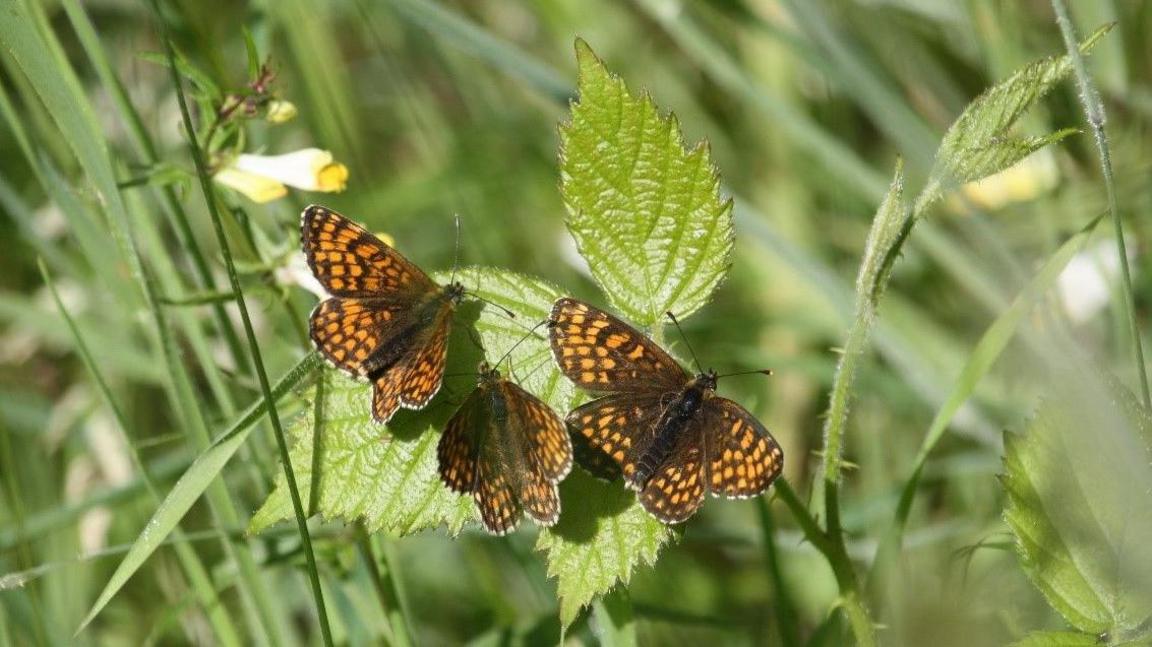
<point x="785" y="609"/>
<point x="1094" y="113"/>
<point x="250" y="333"/>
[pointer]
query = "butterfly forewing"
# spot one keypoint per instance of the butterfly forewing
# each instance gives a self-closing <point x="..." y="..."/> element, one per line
<point x="743" y="458"/>
<point x="349" y="261"/>
<point x="600" y="353"/>
<point x="546" y="441"/>
<point x="424" y="368"/>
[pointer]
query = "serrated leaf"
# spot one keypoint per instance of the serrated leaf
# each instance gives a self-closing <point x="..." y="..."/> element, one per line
<point x="1079" y="484"/>
<point x="387" y="476"/>
<point x="1058" y="639"/>
<point x="602" y="536"/>
<point x="646" y="213"/>
<point x="979" y="144"/>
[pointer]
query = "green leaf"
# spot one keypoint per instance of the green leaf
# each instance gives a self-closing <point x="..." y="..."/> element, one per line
<point x="192" y="485"/>
<point x="979" y="144"/>
<point x="602" y="536"/>
<point x="387" y="476"/>
<point x="1058" y="639"/>
<point x="1078" y="486"/>
<point x="646" y="214"/>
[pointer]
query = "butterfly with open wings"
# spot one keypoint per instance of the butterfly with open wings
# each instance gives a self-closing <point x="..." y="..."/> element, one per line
<point x="386" y="321"/>
<point x="666" y="431"/>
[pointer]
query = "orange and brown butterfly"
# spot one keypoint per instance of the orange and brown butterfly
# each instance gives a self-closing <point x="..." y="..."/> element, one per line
<point x="386" y="321"/>
<point x="667" y="432"/>
<point x="509" y="450"/>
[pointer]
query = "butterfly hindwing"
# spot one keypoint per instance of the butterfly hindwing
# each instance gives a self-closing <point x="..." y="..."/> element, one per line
<point x="619" y="428"/>
<point x="349" y="331"/>
<point x="742" y="457"/>
<point x="601" y="353"/>
<point x="457" y="450"/>
<point x="676" y="489"/>
<point x="545" y="438"/>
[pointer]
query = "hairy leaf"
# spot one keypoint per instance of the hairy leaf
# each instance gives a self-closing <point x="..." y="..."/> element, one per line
<point x="646" y="213"/>
<point x="602" y="536"/>
<point x="387" y="476"/>
<point x="1078" y="486"/>
<point x="979" y="143"/>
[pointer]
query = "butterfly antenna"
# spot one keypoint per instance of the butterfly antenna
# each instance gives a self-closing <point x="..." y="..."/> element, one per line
<point x="764" y="371"/>
<point x="685" y="338"/>
<point x="530" y="333"/>
<point x="456" y="253"/>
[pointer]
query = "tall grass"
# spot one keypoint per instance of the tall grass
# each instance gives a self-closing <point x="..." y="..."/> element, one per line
<point x="126" y="357"/>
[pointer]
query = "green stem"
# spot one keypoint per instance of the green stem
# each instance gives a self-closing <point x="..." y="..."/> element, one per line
<point x="385" y="592"/>
<point x="250" y="333"/>
<point x="785" y="608"/>
<point x="1094" y="113"/>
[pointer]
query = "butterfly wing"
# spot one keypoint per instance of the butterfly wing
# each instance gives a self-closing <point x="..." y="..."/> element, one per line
<point x="617" y="428"/>
<point x="457" y="451"/>
<point x="347" y="332"/>
<point x="742" y="458"/>
<point x="424" y="365"/>
<point x="349" y="261"/>
<point x="676" y="489"/>
<point x="601" y="353"/>
<point x="547" y="447"/>
<point x="543" y="453"/>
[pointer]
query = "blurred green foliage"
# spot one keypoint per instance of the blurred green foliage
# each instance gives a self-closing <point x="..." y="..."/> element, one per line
<point x="442" y="108"/>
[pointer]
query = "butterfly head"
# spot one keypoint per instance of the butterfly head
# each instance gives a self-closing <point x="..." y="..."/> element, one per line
<point x="454" y="292"/>
<point x="706" y="381"/>
<point x="487" y="373"/>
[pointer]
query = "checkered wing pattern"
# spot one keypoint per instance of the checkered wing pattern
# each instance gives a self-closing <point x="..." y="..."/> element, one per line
<point x="348" y="331"/>
<point x="615" y="428"/>
<point x="349" y="261"/>
<point x="601" y="353"/>
<point x="509" y="449"/>
<point x="676" y="489"/>
<point x="742" y="459"/>
<point x="424" y="365"/>
<point x="546" y="442"/>
<point x="457" y="451"/>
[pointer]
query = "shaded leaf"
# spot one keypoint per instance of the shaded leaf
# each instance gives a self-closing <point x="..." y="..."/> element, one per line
<point x="602" y="536"/>
<point x="1078" y="484"/>
<point x="646" y="214"/>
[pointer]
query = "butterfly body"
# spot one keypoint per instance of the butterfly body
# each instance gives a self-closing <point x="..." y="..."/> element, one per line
<point x="668" y="433"/>
<point x="508" y="449"/>
<point x="386" y="321"/>
<point x="671" y="425"/>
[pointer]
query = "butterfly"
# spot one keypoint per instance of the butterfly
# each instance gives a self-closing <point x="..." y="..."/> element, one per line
<point x="509" y="450"/>
<point x="386" y="322"/>
<point x="666" y="431"/>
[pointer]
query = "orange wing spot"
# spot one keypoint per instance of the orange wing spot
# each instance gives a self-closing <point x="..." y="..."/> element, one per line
<point x="587" y="363"/>
<point x="587" y="377"/>
<point x="636" y="353"/>
<point x="615" y="341"/>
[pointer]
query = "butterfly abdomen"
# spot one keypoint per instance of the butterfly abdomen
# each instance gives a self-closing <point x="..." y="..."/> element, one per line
<point x="668" y="429"/>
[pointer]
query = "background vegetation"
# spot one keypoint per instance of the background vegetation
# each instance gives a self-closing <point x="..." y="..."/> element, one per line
<point x="452" y="108"/>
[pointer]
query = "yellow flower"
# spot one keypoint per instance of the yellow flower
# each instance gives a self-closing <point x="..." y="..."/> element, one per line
<point x="1021" y="182"/>
<point x="280" y="111"/>
<point x="262" y="178"/>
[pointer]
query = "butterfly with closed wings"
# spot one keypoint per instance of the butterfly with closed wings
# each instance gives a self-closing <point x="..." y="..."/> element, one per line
<point x="386" y="321"/>
<point x="667" y="432"/>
